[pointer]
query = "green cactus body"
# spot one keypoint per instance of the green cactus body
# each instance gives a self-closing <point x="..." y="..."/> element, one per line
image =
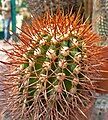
<point x="54" y="81"/>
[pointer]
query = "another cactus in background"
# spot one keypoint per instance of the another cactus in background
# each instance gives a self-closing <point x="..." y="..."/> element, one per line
<point x="38" y="7"/>
<point x="100" y="19"/>
<point x="53" y="69"/>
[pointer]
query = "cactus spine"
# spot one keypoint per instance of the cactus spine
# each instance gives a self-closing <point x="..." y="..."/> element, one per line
<point x="51" y="68"/>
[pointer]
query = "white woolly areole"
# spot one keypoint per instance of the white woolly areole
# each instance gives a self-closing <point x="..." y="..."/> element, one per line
<point x="65" y="51"/>
<point x="51" y="54"/>
<point x="46" y="65"/>
<point x="43" y="78"/>
<point x="37" y="51"/>
<point x="61" y="76"/>
<point x="62" y="63"/>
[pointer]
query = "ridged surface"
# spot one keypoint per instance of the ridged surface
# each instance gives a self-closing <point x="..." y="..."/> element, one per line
<point x="53" y="69"/>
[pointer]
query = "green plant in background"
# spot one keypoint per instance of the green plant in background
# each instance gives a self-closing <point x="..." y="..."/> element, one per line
<point x="52" y="70"/>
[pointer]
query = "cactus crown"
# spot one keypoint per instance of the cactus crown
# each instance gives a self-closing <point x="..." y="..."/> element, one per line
<point x="51" y="68"/>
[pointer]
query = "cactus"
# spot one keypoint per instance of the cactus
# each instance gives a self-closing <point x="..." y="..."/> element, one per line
<point x="100" y="10"/>
<point x="51" y="71"/>
<point x="39" y="7"/>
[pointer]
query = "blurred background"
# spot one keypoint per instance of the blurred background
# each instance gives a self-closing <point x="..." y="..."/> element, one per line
<point x="19" y="12"/>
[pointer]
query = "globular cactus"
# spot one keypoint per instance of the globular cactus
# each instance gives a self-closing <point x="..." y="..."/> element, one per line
<point x="52" y="70"/>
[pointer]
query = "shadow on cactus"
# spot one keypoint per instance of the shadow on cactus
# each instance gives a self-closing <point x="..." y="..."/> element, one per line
<point x="53" y="69"/>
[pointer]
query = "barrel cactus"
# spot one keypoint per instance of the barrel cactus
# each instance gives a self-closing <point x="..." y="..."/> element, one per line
<point x="53" y="68"/>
